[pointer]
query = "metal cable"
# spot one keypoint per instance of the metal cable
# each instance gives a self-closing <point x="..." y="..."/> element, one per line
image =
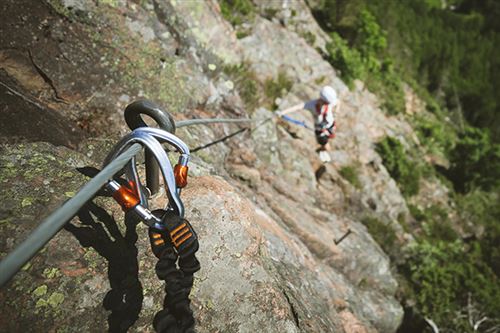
<point x="190" y="122"/>
<point x="11" y="264"/>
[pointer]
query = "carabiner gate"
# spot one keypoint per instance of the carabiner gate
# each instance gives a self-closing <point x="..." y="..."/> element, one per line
<point x="150" y="138"/>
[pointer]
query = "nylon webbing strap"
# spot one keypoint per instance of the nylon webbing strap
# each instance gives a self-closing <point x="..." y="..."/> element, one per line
<point x="53" y="223"/>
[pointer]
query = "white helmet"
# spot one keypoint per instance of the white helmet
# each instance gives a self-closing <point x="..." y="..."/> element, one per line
<point x="329" y="95"/>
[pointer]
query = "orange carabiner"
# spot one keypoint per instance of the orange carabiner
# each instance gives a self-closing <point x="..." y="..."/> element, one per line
<point x="126" y="196"/>
<point x="181" y="175"/>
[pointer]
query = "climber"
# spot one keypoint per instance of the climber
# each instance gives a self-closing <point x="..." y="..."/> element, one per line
<point x="323" y="110"/>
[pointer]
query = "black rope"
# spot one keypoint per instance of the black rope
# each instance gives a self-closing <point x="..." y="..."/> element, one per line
<point x="224" y="138"/>
<point x="219" y="140"/>
<point x="175" y="248"/>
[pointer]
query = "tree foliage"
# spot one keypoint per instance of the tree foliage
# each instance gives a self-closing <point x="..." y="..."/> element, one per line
<point x="475" y="162"/>
<point x="345" y="59"/>
<point x="236" y="11"/>
<point x="366" y="58"/>
<point x="447" y="51"/>
<point x="451" y="51"/>
<point x="405" y="172"/>
<point x="444" y="274"/>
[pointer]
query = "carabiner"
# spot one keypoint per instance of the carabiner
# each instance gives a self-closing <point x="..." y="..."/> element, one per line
<point x="160" y="156"/>
<point x="129" y="201"/>
<point x="134" y="120"/>
<point x="181" y="168"/>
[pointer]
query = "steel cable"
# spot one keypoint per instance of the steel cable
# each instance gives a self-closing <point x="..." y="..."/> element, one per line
<point x="191" y="122"/>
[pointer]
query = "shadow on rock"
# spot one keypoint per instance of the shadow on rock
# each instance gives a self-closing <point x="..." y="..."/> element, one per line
<point x="320" y="172"/>
<point x="99" y="230"/>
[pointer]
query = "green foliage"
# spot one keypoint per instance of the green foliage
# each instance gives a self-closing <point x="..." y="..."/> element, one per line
<point x="433" y="3"/>
<point x="434" y="134"/>
<point x="241" y="34"/>
<point x="350" y="173"/>
<point x="237" y="11"/>
<point x="270" y="13"/>
<point x="405" y="172"/>
<point x="482" y="210"/>
<point x="437" y="225"/>
<point x="444" y="274"/>
<point x="277" y="88"/>
<point x="451" y="53"/>
<point x="340" y="16"/>
<point x="250" y="89"/>
<point x="357" y="61"/>
<point x="367" y="61"/>
<point x="435" y="222"/>
<point x="382" y="233"/>
<point x="309" y="37"/>
<point x="245" y="82"/>
<point x="450" y="58"/>
<point x="387" y="85"/>
<point x="416" y="212"/>
<point x="348" y="61"/>
<point x="370" y="41"/>
<point x="475" y="161"/>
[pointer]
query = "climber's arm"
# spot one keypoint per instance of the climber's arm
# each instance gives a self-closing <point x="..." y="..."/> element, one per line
<point x="291" y="109"/>
<point x="310" y="106"/>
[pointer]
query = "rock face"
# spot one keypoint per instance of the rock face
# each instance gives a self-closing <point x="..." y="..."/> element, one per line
<point x="267" y="213"/>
